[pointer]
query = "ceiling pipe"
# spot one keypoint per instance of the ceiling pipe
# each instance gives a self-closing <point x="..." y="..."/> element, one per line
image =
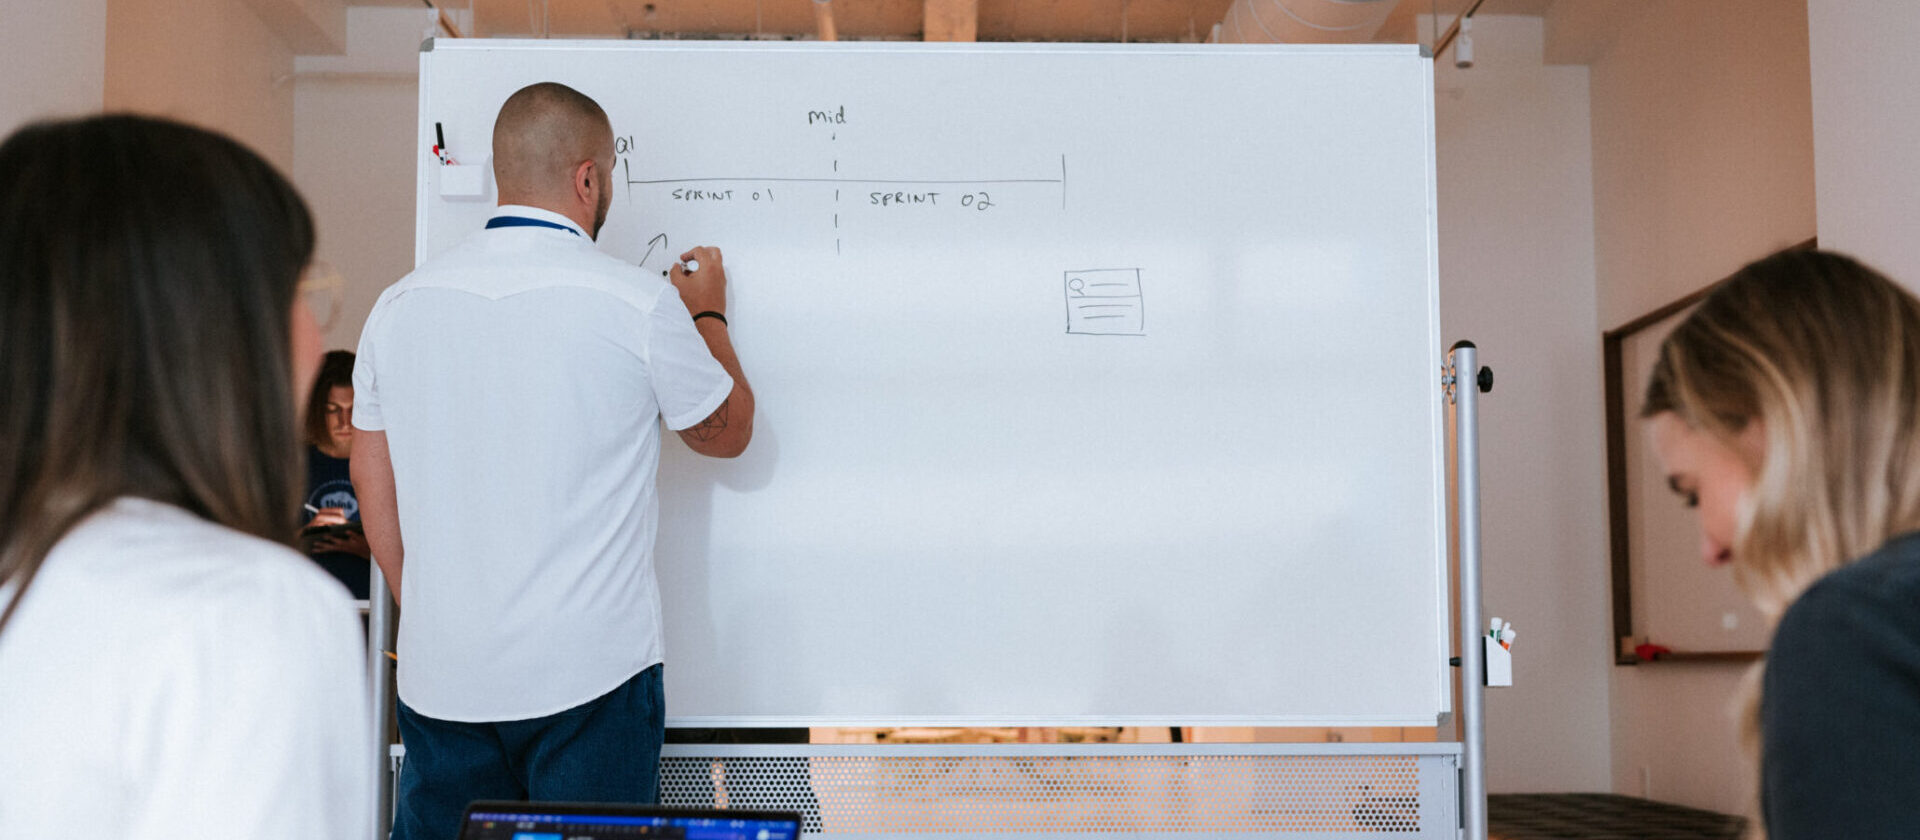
<point x="823" y="16"/>
<point x="1303" y="21"/>
<point x="446" y="22"/>
<point x="1453" y="31"/>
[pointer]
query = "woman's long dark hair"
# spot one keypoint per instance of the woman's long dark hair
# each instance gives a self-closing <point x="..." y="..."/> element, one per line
<point x="147" y="276"/>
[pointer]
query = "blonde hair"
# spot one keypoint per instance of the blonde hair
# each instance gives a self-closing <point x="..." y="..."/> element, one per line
<point x="1825" y="353"/>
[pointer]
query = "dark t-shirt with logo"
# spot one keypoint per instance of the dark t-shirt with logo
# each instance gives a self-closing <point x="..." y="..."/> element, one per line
<point x="329" y="486"/>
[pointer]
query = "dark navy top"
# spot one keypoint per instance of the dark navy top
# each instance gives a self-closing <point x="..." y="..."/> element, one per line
<point x="328" y="486"/>
<point x="1840" y="704"/>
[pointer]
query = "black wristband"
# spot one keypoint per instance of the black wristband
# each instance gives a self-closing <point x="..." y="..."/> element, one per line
<point x="712" y="314"/>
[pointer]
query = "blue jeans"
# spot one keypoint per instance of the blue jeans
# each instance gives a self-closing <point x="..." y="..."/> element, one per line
<point x="604" y="750"/>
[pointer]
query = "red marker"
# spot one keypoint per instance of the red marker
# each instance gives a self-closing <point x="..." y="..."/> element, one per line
<point x="440" y="148"/>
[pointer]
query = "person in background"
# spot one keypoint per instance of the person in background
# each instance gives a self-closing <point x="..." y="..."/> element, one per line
<point x="1786" y="412"/>
<point x="169" y="665"/>
<point x="330" y="500"/>
<point x="509" y="398"/>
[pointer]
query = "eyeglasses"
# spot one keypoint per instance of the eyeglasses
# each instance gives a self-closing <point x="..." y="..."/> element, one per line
<point x="323" y="287"/>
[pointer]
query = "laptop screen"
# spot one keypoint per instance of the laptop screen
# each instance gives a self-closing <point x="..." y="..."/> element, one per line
<point x="543" y="821"/>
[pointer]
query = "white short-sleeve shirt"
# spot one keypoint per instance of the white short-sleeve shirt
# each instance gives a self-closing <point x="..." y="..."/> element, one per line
<point x="167" y="677"/>
<point x="521" y="378"/>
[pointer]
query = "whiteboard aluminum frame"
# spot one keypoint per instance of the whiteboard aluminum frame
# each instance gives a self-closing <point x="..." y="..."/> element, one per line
<point x="424" y="192"/>
<point x="1470" y="749"/>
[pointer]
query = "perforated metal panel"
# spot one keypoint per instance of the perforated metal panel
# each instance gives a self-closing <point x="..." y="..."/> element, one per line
<point x="996" y="790"/>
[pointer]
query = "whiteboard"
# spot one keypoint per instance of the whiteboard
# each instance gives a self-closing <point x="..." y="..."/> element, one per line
<point x="1096" y="384"/>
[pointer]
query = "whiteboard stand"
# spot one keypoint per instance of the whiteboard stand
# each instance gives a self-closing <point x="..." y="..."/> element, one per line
<point x="1465" y="397"/>
<point x="381" y="627"/>
<point x="1245" y="263"/>
<point x="1394" y="790"/>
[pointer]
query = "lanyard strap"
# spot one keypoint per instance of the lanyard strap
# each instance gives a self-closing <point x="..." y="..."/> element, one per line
<point x="522" y="221"/>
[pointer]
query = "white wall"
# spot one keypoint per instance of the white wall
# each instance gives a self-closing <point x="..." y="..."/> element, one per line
<point x="1866" y="124"/>
<point x="52" y="59"/>
<point x="1516" y="278"/>
<point x="213" y="63"/>
<point x="353" y="117"/>
<point x="1702" y="147"/>
<point x="209" y="62"/>
<point x="1702" y="161"/>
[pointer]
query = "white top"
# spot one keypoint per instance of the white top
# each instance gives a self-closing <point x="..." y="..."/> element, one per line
<point x="521" y="377"/>
<point x="167" y="677"/>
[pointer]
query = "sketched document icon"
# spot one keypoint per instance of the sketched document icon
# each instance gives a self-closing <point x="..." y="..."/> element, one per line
<point x="1105" y="301"/>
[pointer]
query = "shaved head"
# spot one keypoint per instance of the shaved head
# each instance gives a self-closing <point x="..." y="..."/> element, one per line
<point x="543" y="134"/>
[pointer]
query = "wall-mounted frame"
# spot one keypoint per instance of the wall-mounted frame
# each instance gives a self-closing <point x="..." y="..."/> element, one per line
<point x="1663" y="593"/>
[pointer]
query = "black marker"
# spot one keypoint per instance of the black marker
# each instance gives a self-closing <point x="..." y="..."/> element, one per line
<point x="439" y="135"/>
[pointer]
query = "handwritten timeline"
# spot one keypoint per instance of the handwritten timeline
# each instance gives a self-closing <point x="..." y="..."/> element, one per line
<point x="1100" y="302"/>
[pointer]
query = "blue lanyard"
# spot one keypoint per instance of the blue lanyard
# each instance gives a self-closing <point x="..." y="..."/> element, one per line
<point x="522" y="221"/>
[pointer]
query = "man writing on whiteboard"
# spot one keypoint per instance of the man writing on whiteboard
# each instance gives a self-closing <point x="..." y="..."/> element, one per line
<point x="509" y="396"/>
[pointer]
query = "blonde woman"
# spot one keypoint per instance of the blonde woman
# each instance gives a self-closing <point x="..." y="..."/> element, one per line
<point x="1786" y="411"/>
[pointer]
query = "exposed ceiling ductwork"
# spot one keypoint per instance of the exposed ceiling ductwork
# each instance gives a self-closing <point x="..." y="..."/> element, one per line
<point x="1304" y="21"/>
<point x="1099" y="21"/>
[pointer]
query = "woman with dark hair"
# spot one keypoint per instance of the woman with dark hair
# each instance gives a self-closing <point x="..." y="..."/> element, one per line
<point x="1786" y="412"/>
<point x="169" y="666"/>
<point x="332" y="513"/>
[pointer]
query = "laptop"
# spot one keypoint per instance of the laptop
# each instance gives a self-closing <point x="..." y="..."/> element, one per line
<point x="584" y="821"/>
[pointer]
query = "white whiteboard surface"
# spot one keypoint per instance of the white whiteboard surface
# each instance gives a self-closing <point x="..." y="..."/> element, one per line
<point x="970" y="499"/>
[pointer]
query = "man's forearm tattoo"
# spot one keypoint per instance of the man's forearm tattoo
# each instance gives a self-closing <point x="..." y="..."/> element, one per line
<point x="714" y="426"/>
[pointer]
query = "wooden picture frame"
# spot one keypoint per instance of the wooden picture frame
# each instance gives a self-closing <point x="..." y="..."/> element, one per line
<point x="1662" y="593"/>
